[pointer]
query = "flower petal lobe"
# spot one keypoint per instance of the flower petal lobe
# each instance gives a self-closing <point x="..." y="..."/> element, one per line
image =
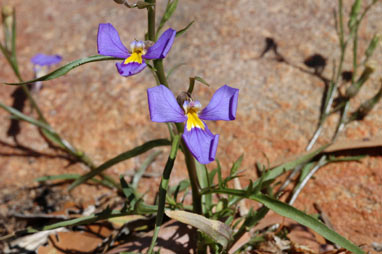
<point x="130" y="68"/>
<point x="163" y="106"/>
<point x="109" y="43"/>
<point x="161" y="48"/>
<point x="201" y="143"/>
<point x="222" y="106"/>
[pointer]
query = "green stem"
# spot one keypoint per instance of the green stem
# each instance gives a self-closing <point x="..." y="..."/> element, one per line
<point x="333" y="85"/>
<point x="163" y="190"/>
<point x="190" y="163"/>
<point x="151" y="20"/>
<point x="158" y="64"/>
<point x="191" y="169"/>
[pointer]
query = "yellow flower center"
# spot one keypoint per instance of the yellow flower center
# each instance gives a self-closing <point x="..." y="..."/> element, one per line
<point x="193" y="120"/>
<point x="137" y="50"/>
<point x="136" y="57"/>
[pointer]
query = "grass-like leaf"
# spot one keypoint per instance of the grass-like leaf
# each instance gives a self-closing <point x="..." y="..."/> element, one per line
<point x="277" y="171"/>
<point x="170" y="9"/>
<point x="306" y="220"/>
<point x="68" y="177"/>
<point x="121" y="157"/>
<point x="66" y="68"/>
<point x="45" y="128"/>
<point x="182" y="31"/>
<point x="290" y="212"/>
<point x="171" y="71"/>
<point x="203" y="176"/>
<point x="138" y="175"/>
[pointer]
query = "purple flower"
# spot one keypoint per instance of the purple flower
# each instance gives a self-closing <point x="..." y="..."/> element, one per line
<point x="45" y="60"/>
<point x="109" y="44"/>
<point x="41" y="64"/>
<point x="201" y="142"/>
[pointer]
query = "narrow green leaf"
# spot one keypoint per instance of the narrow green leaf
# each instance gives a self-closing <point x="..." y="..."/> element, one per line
<point x="201" y="80"/>
<point x="56" y="140"/>
<point x="372" y="45"/>
<point x="13" y="42"/>
<point x="58" y="177"/>
<point x="66" y="68"/>
<point x="46" y="129"/>
<point x="171" y="71"/>
<point x="121" y="157"/>
<point x="182" y="186"/>
<point x="65" y="177"/>
<point x="138" y="175"/>
<point x="26" y="118"/>
<point x="163" y="190"/>
<point x="304" y="172"/>
<point x="202" y="173"/>
<point x="192" y="83"/>
<point x="219" y="171"/>
<point x="170" y="9"/>
<point x="182" y="31"/>
<point x="306" y="220"/>
<point x="104" y="215"/>
<point x="277" y="171"/>
<point x="294" y="214"/>
<point x="353" y="17"/>
<point x="356" y="158"/>
<point x="236" y="165"/>
<point x="356" y="86"/>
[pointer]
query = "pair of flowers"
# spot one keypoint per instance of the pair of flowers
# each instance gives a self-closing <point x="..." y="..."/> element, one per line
<point x="163" y="106"/>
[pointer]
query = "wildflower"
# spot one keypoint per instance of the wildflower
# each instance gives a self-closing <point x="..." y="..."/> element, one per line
<point x="201" y="142"/>
<point x="41" y="64"/>
<point x="109" y="44"/>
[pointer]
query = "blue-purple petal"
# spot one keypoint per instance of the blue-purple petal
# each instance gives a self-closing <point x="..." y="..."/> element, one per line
<point x="42" y="59"/>
<point x="130" y="68"/>
<point x="109" y="43"/>
<point x="201" y="143"/>
<point x="163" y="106"/>
<point x="161" y="48"/>
<point x="222" y="106"/>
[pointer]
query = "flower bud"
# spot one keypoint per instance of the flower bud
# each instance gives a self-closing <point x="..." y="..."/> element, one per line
<point x="7" y="13"/>
<point x="355" y="9"/>
<point x="366" y="106"/>
<point x="182" y="97"/>
<point x="372" y="45"/>
<point x="355" y="87"/>
<point x="120" y="1"/>
<point x="143" y="4"/>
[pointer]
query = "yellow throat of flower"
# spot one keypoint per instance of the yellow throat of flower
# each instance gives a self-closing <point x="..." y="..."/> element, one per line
<point x="193" y="119"/>
<point x="137" y="49"/>
<point x="136" y="57"/>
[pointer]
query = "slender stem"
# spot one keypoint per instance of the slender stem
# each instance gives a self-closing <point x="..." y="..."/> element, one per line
<point x="163" y="190"/>
<point x="190" y="163"/>
<point x="158" y="64"/>
<point x="151" y="20"/>
<point x="297" y="191"/>
<point x="191" y="169"/>
<point x="343" y="120"/>
<point x="334" y="82"/>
